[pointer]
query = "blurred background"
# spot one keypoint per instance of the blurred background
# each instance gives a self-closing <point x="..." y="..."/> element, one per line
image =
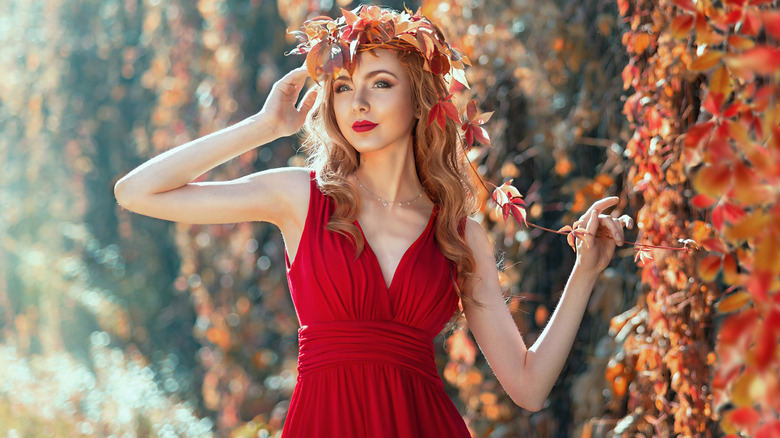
<point x="114" y="324"/>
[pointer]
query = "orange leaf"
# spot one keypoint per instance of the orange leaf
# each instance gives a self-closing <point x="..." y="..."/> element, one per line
<point x="730" y="274"/>
<point x="720" y="82"/>
<point x="709" y="267"/>
<point x="712" y="180"/>
<point x="762" y="60"/>
<point x="750" y="226"/>
<point x="737" y="132"/>
<point x="681" y="26"/>
<point x="767" y="255"/>
<point x="740" y="42"/>
<point x="706" y="61"/>
<point x="748" y="189"/>
<point x="641" y="42"/>
<point x="733" y="302"/>
<point x="314" y="60"/>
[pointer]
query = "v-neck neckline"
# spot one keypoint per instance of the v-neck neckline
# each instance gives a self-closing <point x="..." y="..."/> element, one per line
<point x="367" y="245"/>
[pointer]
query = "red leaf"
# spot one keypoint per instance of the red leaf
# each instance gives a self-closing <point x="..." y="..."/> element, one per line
<point x="758" y="284"/>
<point x="434" y="113"/>
<point x="717" y="218"/>
<point x="481" y="135"/>
<point x="703" y="201"/>
<point x="738" y="328"/>
<point x="745" y="417"/>
<point x="762" y="59"/>
<point x="713" y="102"/>
<point x="769" y="430"/>
<point x="451" y="111"/>
<point x="471" y="110"/>
<point x="712" y="244"/>
<point x="720" y="150"/>
<point x="510" y="201"/>
<point x="751" y="24"/>
<point x="709" y="267"/>
<point x="697" y="133"/>
<point x="772" y="25"/>
<point x="732" y="213"/>
<point x="766" y="344"/>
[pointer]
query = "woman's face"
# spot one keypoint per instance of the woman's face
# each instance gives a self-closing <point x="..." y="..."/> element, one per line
<point x="374" y="107"/>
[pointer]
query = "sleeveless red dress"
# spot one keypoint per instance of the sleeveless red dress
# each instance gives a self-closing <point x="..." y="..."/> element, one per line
<point x="365" y="363"/>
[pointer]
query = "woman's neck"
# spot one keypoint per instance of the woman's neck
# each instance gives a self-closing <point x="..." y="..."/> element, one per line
<point x="390" y="174"/>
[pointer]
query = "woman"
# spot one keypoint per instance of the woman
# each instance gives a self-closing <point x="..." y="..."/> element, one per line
<point x="380" y="251"/>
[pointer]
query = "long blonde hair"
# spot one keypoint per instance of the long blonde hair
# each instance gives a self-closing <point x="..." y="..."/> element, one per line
<point x="439" y="160"/>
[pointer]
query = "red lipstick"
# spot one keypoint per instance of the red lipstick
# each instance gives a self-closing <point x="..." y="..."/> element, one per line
<point x="363" y="126"/>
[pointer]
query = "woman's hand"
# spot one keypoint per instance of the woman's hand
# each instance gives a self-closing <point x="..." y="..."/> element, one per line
<point x="596" y="248"/>
<point x="280" y="108"/>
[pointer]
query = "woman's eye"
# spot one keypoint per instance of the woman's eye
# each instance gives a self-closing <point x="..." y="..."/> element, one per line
<point x="383" y="84"/>
<point x="341" y="87"/>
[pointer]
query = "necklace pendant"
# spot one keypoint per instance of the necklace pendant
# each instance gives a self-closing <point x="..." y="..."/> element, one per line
<point x="384" y="203"/>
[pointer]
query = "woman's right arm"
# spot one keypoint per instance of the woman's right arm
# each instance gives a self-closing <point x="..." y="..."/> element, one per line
<point x="163" y="187"/>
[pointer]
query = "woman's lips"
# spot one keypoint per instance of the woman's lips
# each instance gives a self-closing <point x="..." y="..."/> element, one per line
<point x="363" y="126"/>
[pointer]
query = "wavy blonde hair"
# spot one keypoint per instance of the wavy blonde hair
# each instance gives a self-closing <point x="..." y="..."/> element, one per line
<point x="439" y="160"/>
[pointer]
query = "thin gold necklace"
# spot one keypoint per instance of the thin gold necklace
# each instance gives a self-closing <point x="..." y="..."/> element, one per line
<point x="384" y="202"/>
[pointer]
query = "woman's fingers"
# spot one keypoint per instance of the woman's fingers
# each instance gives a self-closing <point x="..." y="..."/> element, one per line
<point x="592" y="226"/>
<point x="627" y="221"/>
<point x="615" y="228"/>
<point x="308" y="101"/>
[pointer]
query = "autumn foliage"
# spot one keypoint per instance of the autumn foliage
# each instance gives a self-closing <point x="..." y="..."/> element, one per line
<point x="706" y="148"/>
<point x="670" y="104"/>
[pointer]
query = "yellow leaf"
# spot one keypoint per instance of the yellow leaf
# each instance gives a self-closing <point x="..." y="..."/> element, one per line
<point x="740" y="393"/>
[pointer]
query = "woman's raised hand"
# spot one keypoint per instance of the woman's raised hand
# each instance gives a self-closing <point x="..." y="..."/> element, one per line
<point x="596" y="248"/>
<point x="280" y="107"/>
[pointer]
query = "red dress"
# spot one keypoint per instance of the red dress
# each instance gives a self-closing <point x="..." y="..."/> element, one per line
<point x="366" y="365"/>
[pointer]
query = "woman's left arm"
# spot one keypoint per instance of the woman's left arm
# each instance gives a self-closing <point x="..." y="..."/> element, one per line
<point x="528" y="374"/>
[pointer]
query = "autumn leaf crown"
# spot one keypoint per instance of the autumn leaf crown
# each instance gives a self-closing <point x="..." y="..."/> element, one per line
<point x="331" y="45"/>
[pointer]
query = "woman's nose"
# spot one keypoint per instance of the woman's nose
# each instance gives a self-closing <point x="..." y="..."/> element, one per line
<point x="359" y="102"/>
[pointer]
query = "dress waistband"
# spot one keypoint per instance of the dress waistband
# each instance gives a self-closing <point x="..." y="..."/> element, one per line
<point x="326" y="344"/>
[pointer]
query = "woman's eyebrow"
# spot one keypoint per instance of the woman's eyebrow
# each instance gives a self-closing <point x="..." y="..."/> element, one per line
<point x="368" y="75"/>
